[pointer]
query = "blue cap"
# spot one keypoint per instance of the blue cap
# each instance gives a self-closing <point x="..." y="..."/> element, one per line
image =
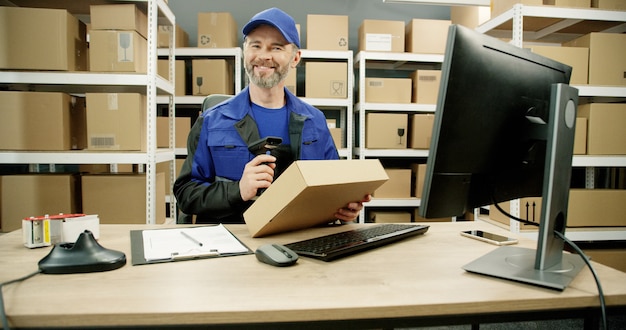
<point x="278" y="19"/>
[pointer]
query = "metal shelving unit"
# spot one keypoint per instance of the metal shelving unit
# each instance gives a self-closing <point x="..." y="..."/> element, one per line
<point x="364" y="61"/>
<point x="78" y="83"/>
<point x="344" y="104"/>
<point x="557" y="25"/>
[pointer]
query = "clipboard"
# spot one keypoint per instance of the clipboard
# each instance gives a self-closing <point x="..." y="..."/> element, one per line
<point x="152" y="246"/>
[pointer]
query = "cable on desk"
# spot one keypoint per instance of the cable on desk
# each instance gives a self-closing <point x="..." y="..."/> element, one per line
<point x="593" y="271"/>
<point x="3" y="315"/>
<point x="579" y="251"/>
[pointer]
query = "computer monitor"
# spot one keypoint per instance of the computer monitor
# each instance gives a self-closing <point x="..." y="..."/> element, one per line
<point x="504" y="129"/>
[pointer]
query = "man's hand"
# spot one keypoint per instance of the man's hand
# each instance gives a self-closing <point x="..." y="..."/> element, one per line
<point x="258" y="173"/>
<point x="351" y="211"/>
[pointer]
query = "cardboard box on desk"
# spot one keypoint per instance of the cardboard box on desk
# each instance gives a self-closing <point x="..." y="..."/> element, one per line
<point x="309" y="193"/>
<point x="42" y="39"/>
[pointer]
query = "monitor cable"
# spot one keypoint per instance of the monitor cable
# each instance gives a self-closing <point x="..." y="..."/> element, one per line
<point x="3" y="315"/>
<point x="580" y="253"/>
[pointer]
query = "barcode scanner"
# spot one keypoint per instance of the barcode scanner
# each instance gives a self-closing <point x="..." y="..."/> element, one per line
<point x="264" y="146"/>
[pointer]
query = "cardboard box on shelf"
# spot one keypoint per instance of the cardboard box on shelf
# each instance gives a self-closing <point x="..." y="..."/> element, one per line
<point x="163" y="36"/>
<point x="117" y="51"/>
<point x="40" y="121"/>
<point x="605" y="128"/>
<point x="182" y="128"/>
<point x="180" y="83"/>
<point x="121" y="16"/>
<point x="386" y="130"/>
<point x="607" y="57"/>
<point x="214" y="76"/>
<point x="390" y="216"/>
<point x="116" y="121"/>
<point x="327" y="32"/>
<point x="121" y="198"/>
<point x="309" y="193"/>
<point x="420" y="130"/>
<point x="469" y="16"/>
<point x="326" y="80"/>
<point x="419" y="219"/>
<point x="530" y="209"/>
<point x="576" y="57"/>
<point x="381" y="35"/>
<point x="165" y="169"/>
<point x="612" y="257"/>
<point x="291" y="81"/>
<point x="388" y="90"/>
<point x="568" y="3"/>
<point x="418" y="175"/>
<point x="42" y="39"/>
<point x="426" y="86"/>
<point x="609" y="4"/>
<point x="580" y="136"/>
<point x="500" y="6"/>
<point x="426" y="36"/>
<point x="596" y="208"/>
<point x="26" y="195"/>
<point x="217" y="30"/>
<point x="398" y="185"/>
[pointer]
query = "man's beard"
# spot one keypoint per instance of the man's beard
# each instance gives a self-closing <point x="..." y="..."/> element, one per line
<point x="280" y="73"/>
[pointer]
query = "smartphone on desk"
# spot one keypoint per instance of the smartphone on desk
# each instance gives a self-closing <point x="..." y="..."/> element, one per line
<point x="489" y="237"/>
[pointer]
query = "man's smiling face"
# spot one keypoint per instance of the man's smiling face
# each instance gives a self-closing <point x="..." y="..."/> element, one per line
<point x="268" y="56"/>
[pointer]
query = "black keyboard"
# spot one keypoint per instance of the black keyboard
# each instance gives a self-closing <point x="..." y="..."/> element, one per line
<point x="342" y="244"/>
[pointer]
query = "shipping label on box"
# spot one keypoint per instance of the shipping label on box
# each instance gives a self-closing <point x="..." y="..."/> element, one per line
<point x="326" y="79"/>
<point x="217" y="30"/>
<point x="327" y="32"/>
<point x="309" y="193"/>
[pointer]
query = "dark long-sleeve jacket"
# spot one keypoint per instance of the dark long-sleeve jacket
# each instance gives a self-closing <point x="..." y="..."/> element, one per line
<point x="217" y="152"/>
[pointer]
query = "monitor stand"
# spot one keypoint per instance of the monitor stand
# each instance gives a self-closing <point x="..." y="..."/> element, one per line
<point x="548" y="265"/>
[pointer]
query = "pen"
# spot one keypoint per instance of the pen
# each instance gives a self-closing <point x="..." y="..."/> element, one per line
<point x="191" y="238"/>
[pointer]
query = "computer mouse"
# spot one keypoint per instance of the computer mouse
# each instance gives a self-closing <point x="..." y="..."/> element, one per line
<point x="276" y="255"/>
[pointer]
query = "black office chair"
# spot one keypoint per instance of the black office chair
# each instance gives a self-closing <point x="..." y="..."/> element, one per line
<point x="213" y="100"/>
<point x="209" y="102"/>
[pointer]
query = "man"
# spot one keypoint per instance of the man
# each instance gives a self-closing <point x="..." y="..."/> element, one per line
<point x="220" y="177"/>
